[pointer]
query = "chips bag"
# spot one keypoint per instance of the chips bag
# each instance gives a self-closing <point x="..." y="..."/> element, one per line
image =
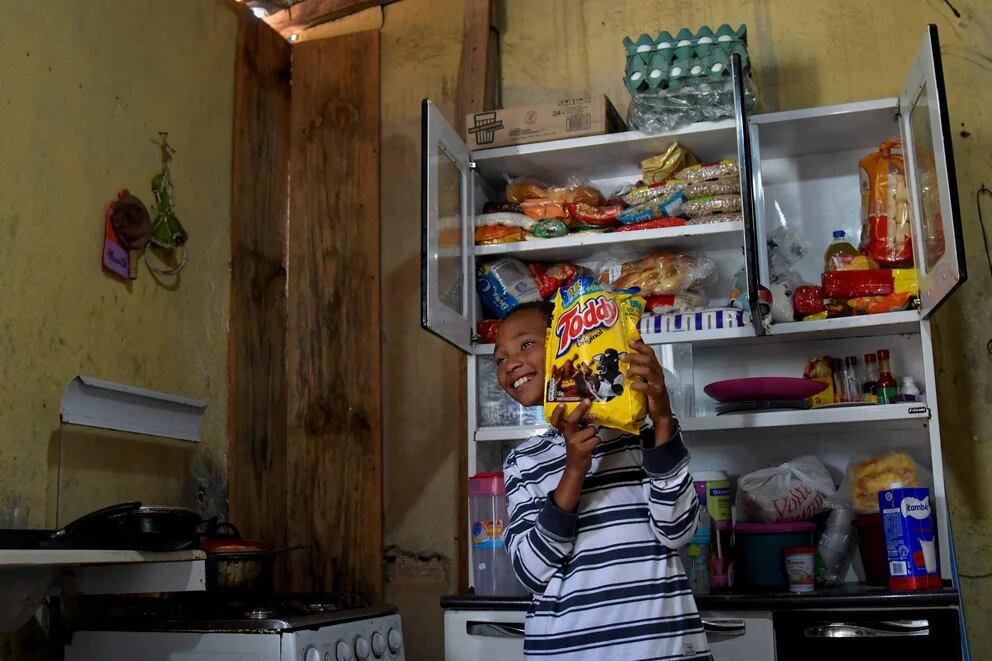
<point x="886" y="234"/>
<point x="590" y="329"/>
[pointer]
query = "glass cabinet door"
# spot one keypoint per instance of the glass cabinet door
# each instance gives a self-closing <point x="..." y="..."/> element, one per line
<point x="446" y="231"/>
<point x="926" y="138"/>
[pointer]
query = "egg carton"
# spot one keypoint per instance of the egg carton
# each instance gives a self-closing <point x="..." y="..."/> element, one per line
<point x="665" y="62"/>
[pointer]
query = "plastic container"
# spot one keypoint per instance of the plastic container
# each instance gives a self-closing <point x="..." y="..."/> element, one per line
<point x="492" y="572"/>
<point x="871" y="546"/>
<point x="759" y="562"/>
<point x="909" y="391"/>
<point x="838" y="252"/>
<point x="713" y="490"/>
<point x="696" y="556"/>
<point x="799" y="567"/>
<point x="835" y="548"/>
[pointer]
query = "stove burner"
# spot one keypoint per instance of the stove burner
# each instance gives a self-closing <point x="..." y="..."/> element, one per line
<point x="259" y="614"/>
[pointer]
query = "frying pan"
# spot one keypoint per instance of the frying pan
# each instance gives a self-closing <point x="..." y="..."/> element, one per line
<point x="131" y="526"/>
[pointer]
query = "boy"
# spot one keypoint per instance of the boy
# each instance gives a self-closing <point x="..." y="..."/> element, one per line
<point x="596" y="517"/>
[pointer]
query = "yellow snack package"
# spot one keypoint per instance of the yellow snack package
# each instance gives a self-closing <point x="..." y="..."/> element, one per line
<point x="591" y="327"/>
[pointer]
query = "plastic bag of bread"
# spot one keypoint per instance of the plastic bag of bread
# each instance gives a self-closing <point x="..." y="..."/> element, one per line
<point x="576" y="191"/>
<point x="869" y="474"/>
<point x="794" y="491"/>
<point x="886" y="234"/>
<point x="660" y="273"/>
<point x="592" y="326"/>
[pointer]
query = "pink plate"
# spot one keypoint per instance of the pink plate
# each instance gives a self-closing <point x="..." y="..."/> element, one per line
<point x="763" y="387"/>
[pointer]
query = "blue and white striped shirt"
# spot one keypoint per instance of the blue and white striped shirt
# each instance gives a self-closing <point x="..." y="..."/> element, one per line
<point x="607" y="580"/>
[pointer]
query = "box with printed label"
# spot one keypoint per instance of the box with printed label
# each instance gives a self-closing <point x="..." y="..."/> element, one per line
<point x="566" y="118"/>
<point x="910" y="538"/>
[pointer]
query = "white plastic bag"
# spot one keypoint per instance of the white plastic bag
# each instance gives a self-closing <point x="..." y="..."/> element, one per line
<point x="793" y="491"/>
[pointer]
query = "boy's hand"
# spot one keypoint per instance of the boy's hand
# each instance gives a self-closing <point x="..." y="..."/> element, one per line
<point x="579" y="438"/>
<point x="645" y="364"/>
<point x="580" y="441"/>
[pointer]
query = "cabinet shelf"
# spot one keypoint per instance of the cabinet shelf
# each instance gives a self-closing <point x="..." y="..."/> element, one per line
<point x="712" y="236"/>
<point x="908" y="415"/>
<point x="485" y="434"/>
<point x="906" y="322"/>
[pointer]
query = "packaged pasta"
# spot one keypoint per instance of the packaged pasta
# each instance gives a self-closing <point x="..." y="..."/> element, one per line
<point x="706" y="171"/>
<point x="711" y="204"/>
<point x="661" y="167"/>
<point x="591" y="328"/>
<point x="669" y="208"/>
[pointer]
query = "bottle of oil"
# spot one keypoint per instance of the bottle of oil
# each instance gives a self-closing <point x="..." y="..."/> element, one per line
<point x="869" y="385"/>
<point x="839" y="250"/>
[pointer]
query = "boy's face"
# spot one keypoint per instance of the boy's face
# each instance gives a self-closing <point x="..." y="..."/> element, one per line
<point x="520" y="356"/>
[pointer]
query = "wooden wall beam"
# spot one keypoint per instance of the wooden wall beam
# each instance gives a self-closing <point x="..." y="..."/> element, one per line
<point x="479" y="75"/>
<point x="257" y="337"/>
<point x="334" y="328"/>
<point x="313" y="12"/>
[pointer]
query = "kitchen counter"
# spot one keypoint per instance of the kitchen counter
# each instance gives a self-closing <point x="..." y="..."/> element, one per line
<point x="846" y="596"/>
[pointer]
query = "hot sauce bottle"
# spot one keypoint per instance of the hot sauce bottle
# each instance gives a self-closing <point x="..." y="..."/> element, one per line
<point x="886" y="388"/>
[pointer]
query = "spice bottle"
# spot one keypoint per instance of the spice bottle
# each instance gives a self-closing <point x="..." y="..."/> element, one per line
<point x="909" y="392"/>
<point x="887" y="388"/>
<point x="868" y="386"/>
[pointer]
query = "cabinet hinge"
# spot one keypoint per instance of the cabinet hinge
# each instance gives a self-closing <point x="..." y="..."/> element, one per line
<point x="471" y="165"/>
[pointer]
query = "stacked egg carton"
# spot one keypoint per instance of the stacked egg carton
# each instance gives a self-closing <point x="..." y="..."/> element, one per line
<point x="665" y="61"/>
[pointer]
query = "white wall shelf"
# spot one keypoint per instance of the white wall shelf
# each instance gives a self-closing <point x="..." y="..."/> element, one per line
<point x="711" y="236"/>
<point x="83" y="557"/>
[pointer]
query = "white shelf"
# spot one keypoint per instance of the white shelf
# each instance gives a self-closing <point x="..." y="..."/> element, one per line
<point x="604" y="156"/>
<point x="711" y="236"/>
<point x="82" y="557"/>
<point x="888" y="323"/>
<point x="485" y="434"/>
<point x="828" y="129"/>
<point x="906" y="322"/>
<point x="891" y="416"/>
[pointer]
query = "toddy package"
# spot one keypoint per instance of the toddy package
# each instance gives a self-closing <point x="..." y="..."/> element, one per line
<point x="591" y="327"/>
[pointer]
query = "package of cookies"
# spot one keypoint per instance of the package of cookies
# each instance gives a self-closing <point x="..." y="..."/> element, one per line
<point x="591" y="328"/>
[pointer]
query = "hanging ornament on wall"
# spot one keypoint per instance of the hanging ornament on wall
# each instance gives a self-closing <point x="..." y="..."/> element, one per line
<point x="126" y="233"/>
<point x="167" y="232"/>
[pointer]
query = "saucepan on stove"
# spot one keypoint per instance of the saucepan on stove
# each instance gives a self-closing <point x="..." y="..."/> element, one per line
<point x="239" y="565"/>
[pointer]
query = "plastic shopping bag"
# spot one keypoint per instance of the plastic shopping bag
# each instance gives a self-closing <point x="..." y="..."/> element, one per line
<point x="793" y="491"/>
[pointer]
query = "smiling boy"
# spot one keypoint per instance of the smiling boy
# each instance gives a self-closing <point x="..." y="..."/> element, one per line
<point x="597" y="516"/>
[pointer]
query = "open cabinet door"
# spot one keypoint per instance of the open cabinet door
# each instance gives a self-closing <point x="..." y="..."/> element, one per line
<point x="446" y="232"/>
<point x="745" y="158"/>
<point x="926" y="138"/>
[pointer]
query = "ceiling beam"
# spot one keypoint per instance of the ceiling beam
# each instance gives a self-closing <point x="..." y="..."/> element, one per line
<point x="308" y="13"/>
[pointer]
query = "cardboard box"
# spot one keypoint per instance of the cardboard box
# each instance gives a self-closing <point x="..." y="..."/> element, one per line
<point x="567" y="118"/>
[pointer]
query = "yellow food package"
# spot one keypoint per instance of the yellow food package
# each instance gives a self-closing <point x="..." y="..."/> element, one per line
<point x="821" y="369"/>
<point x="591" y="328"/>
<point x="904" y="280"/>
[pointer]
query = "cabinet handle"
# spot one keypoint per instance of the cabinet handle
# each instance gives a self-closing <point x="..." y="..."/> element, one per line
<point x="887" y="629"/>
<point x="729" y="628"/>
<point x="495" y="629"/>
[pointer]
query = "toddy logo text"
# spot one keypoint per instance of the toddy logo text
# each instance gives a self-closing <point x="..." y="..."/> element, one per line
<point x="597" y="312"/>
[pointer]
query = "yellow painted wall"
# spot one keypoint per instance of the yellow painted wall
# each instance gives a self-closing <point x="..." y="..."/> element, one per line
<point x="804" y="54"/>
<point x="84" y="89"/>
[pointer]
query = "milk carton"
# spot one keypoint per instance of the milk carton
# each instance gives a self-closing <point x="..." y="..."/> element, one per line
<point x="910" y="538"/>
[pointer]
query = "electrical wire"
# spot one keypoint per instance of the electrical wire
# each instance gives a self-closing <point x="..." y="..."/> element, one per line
<point x="981" y="221"/>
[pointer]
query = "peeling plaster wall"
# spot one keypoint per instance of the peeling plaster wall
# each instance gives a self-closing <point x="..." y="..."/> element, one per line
<point x="805" y="54"/>
<point x="87" y="86"/>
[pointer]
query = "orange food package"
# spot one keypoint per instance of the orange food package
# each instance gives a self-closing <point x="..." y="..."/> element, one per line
<point x="591" y="328"/>
<point x="491" y="234"/>
<point x="886" y="234"/>
<point x="821" y="369"/>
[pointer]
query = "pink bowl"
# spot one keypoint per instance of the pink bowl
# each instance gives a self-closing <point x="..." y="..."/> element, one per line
<point x="762" y="388"/>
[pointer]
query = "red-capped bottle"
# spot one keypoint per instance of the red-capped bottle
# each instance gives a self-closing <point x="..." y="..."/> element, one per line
<point x="886" y="388"/>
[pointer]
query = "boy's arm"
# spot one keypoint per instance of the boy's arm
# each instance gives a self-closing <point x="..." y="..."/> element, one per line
<point x="671" y="496"/>
<point x="540" y="535"/>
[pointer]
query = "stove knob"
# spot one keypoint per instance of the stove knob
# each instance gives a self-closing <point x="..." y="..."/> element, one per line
<point x="395" y="640"/>
<point x="361" y="649"/>
<point x="312" y="654"/>
<point x="343" y="651"/>
<point x="378" y="644"/>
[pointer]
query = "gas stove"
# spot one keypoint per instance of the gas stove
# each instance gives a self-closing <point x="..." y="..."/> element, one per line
<point x="281" y="627"/>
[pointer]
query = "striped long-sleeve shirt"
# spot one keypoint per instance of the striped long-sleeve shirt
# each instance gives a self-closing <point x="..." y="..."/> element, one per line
<point x="607" y="580"/>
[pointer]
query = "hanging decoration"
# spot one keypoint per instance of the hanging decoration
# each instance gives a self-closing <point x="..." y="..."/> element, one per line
<point x="166" y="230"/>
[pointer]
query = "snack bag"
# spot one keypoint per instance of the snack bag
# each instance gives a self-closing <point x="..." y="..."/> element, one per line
<point x="885" y="225"/>
<point x="591" y="327"/>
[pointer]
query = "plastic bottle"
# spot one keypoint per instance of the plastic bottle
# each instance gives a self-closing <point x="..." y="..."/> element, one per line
<point x="696" y="556"/>
<point x="835" y="550"/>
<point x="868" y="386"/>
<point x="886" y="386"/>
<point x="722" y="556"/>
<point x="837" y="368"/>
<point x="837" y="252"/>
<point x="492" y="572"/>
<point x="852" y="385"/>
<point x="909" y="391"/>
